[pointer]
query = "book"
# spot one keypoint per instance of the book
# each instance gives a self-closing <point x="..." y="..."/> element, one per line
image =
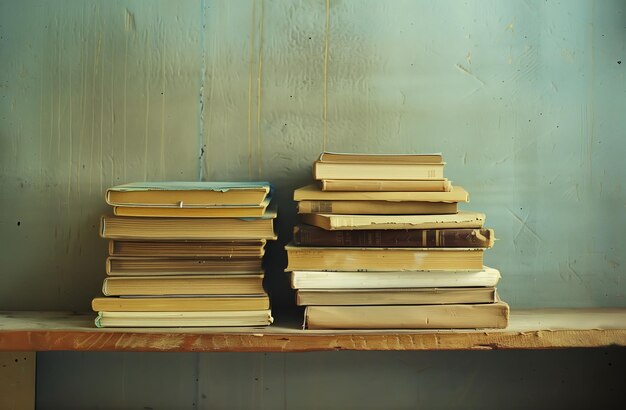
<point x="409" y="296"/>
<point x="382" y="259"/>
<point x="337" y="170"/>
<point x="221" y="211"/>
<point x="140" y="266"/>
<point x="313" y="192"/>
<point x="229" y="249"/>
<point x="376" y="207"/>
<point x="183" y="285"/>
<point x="187" y="194"/>
<point x="181" y="304"/>
<point x="462" y="219"/>
<point x="472" y="316"/>
<point x="308" y="235"/>
<point x="127" y="227"/>
<point x="380" y="158"/>
<point x="486" y="277"/>
<point x="422" y="185"/>
<point x="184" y="319"/>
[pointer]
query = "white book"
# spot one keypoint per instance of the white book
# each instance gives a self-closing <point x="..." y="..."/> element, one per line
<point x="391" y="280"/>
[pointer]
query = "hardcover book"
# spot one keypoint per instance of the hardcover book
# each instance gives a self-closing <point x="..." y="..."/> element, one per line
<point x="490" y="315"/>
<point x="382" y="259"/>
<point x="312" y="280"/>
<point x="308" y="235"/>
<point x="462" y="219"/>
<point x="187" y="194"/>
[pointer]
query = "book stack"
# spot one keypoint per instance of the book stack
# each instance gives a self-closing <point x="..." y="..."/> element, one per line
<point x="186" y="254"/>
<point x="382" y="244"/>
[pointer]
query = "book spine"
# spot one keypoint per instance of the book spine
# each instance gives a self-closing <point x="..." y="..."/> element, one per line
<point x="305" y="235"/>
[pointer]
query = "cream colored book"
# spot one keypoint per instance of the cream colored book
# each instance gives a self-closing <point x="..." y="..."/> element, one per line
<point x="377" y="207"/>
<point x="423" y="185"/>
<point x="223" y="211"/>
<point x="382" y="259"/>
<point x="139" y="228"/>
<point x="178" y="194"/>
<point x="336" y="170"/>
<point x="183" y="285"/>
<point x="343" y="157"/>
<point x="182" y="249"/>
<point x="331" y="222"/>
<point x="486" y="277"/>
<point x="181" y="304"/>
<point x="140" y="266"/>
<point x="313" y="192"/>
<point x="472" y="316"/>
<point x="402" y="296"/>
<point x="184" y="319"/>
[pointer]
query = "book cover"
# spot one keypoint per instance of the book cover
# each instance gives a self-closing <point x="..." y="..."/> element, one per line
<point x="179" y="194"/>
<point x="184" y="319"/>
<point x="336" y="170"/>
<point x="462" y="219"/>
<point x="377" y="207"/>
<point x="382" y="259"/>
<point x="371" y="185"/>
<point x="308" y="235"/>
<point x="313" y="192"/>
<point x="486" y="277"/>
<point x="342" y="157"/>
<point x="400" y="296"/>
<point x="472" y="316"/>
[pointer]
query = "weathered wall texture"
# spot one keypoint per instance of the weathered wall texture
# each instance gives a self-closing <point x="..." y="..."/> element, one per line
<point x="524" y="98"/>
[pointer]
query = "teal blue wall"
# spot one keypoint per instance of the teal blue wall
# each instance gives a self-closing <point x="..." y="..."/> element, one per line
<point x="524" y="98"/>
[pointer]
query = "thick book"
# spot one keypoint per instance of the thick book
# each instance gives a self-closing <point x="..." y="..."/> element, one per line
<point x="186" y="249"/>
<point x="308" y="235"/>
<point x="184" y="319"/>
<point x="220" y="211"/>
<point x="141" y="266"/>
<point x="138" y="228"/>
<point x="337" y="170"/>
<point x="377" y="207"/>
<point x="343" y="157"/>
<point x="373" y="185"/>
<point x="409" y="296"/>
<point x="313" y="192"/>
<point x="472" y="316"/>
<point x="331" y="222"/>
<point x="181" y="304"/>
<point x="187" y="194"/>
<point x="183" y="285"/>
<point x="486" y="277"/>
<point x="382" y="259"/>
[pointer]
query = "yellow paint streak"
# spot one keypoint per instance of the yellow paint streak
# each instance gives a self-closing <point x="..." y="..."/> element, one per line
<point x="251" y="63"/>
<point x="260" y="75"/>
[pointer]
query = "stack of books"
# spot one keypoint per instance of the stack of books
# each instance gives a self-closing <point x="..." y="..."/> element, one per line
<point x="382" y="244"/>
<point x="186" y="254"/>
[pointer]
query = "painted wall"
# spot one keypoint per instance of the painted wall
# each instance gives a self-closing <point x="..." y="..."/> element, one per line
<point x="525" y="99"/>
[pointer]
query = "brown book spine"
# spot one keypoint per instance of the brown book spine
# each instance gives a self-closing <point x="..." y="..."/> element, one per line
<point x="307" y="235"/>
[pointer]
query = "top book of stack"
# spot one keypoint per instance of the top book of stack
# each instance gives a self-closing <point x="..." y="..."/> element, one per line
<point x="380" y="172"/>
<point x="188" y="194"/>
<point x="190" y="199"/>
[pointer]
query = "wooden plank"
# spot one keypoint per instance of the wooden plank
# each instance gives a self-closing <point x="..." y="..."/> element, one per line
<point x="17" y="380"/>
<point x="528" y="329"/>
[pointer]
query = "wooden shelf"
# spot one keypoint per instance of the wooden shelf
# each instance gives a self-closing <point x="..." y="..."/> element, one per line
<point x="528" y="329"/>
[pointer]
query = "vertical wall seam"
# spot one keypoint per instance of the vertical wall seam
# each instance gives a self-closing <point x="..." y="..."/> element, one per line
<point x="325" y="103"/>
<point x="201" y="151"/>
